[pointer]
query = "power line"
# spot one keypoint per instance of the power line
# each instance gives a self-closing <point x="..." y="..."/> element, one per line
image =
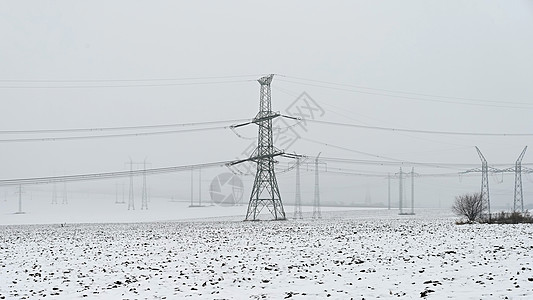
<point x="367" y="153"/>
<point x="123" y="128"/>
<point x="414" y="96"/>
<point x="405" y="92"/>
<point x="383" y="175"/>
<point x="391" y="163"/>
<point x="124" y="80"/>
<point x="390" y="160"/>
<point x="419" y="131"/>
<point x="108" y="175"/>
<point x="119" y="86"/>
<point x="53" y="139"/>
<point x="96" y="129"/>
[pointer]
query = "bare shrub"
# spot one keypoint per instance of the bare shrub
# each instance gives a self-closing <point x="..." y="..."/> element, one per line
<point x="512" y="218"/>
<point x="469" y="206"/>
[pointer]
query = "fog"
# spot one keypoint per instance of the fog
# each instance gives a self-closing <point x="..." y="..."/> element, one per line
<point x="439" y="66"/>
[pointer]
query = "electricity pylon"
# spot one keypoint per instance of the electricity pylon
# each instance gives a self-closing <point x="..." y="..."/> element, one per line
<point x="518" y="195"/>
<point x="298" y="196"/>
<point x="265" y="191"/>
<point x="388" y="181"/>
<point x="65" y="194"/>
<point x="485" y="198"/>
<point x="54" y="194"/>
<point x="131" y="202"/>
<point x="400" y="198"/>
<point x="200" y="187"/>
<point x="413" y="191"/>
<point x="317" y="214"/>
<point x="20" y="192"/>
<point x="144" y="197"/>
<point x="401" y="176"/>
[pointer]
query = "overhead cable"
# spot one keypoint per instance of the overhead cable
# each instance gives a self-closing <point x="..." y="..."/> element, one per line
<point x="108" y="175"/>
<point x="417" y="130"/>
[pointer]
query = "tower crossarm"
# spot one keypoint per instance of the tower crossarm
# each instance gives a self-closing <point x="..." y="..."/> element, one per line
<point x="257" y="158"/>
<point x="489" y="169"/>
<point x="518" y="191"/>
<point x="519" y="160"/>
<point x="265" y="116"/>
<point x="476" y="170"/>
<point x="483" y="160"/>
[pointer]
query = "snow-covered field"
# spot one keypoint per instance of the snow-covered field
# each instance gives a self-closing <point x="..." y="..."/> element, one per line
<point x="355" y="254"/>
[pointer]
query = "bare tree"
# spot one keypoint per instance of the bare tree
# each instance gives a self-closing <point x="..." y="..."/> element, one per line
<point x="469" y="206"/>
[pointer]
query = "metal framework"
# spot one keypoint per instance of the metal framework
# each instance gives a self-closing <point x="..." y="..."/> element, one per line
<point x="131" y="201"/>
<point x="199" y="187"/>
<point x="144" y="197"/>
<point x="54" y="194"/>
<point x="298" y="195"/>
<point x="388" y="181"/>
<point x="401" y="190"/>
<point x="265" y="191"/>
<point x="485" y="197"/>
<point x="413" y="190"/>
<point x="400" y="197"/>
<point x="20" y="191"/>
<point x="317" y="214"/>
<point x="518" y="195"/>
<point x="65" y="193"/>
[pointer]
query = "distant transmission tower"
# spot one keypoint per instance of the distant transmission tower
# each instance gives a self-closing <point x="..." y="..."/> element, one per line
<point x="200" y="186"/>
<point x="402" y="191"/>
<point x="413" y="191"/>
<point x="317" y="214"/>
<point x="485" y="198"/>
<point x="192" y="187"/>
<point x="144" y="195"/>
<point x="265" y="191"/>
<point x="54" y="194"/>
<point x="131" y="202"/>
<point x="388" y="180"/>
<point x="518" y="195"/>
<point x="123" y="201"/>
<point x="116" y="194"/>
<point x="400" y="199"/>
<point x="298" y="196"/>
<point x="20" y="192"/>
<point x="144" y="201"/>
<point x="65" y="195"/>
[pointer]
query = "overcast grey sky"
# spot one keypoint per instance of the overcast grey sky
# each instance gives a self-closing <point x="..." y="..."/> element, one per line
<point x="462" y="50"/>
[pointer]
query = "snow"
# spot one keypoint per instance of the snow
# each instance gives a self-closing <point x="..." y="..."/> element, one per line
<point x="355" y="254"/>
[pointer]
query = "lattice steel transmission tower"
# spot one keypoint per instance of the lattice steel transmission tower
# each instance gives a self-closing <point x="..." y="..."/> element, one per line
<point x="518" y="195"/>
<point x="54" y="194"/>
<point x="298" y="195"/>
<point x="65" y="193"/>
<point x="317" y="214"/>
<point x="388" y="181"/>
<point x="265" y="191"/>
<point x="400" y="196"/>
<point x="485" y="198"/>
<point x="144" y="197"/>
<point x="131" y="202"/>
<point x="20" y="191"/>
<point x="413" y="174"/>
